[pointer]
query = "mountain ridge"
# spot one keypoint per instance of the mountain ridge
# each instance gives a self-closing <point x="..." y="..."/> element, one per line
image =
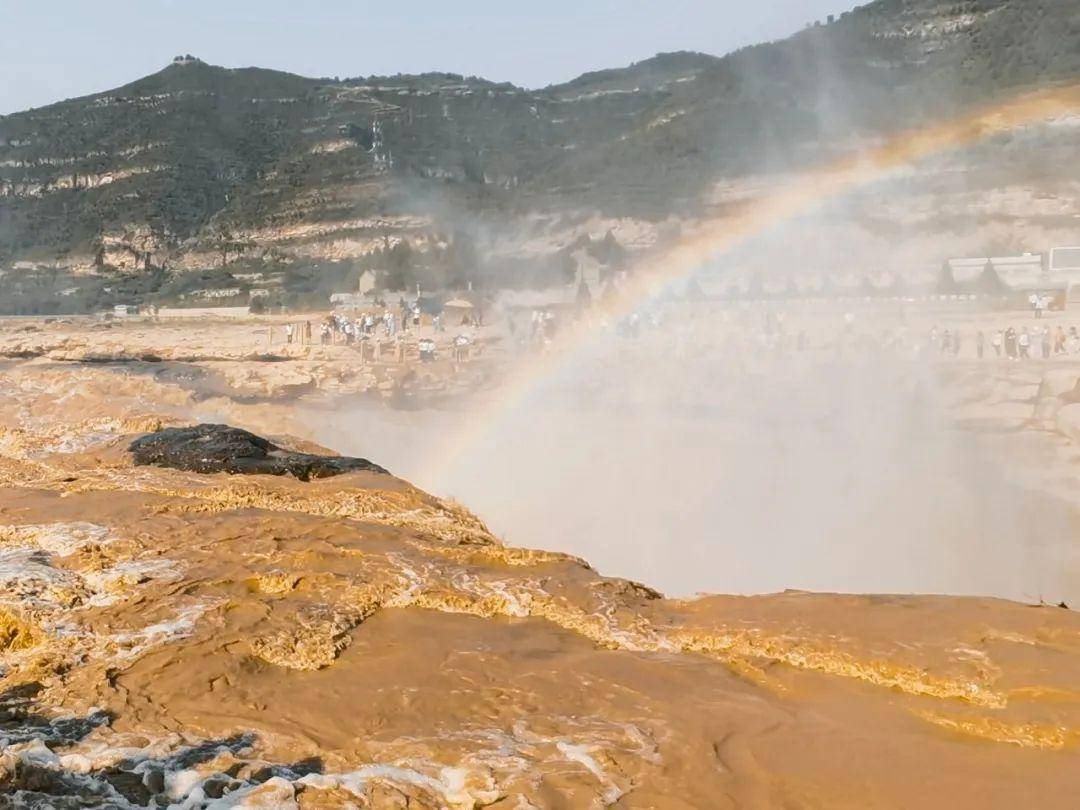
<point x="181" y="169"/>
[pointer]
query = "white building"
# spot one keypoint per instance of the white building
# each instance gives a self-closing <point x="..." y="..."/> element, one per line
<point x="221" y="292"/>
<point x="367" y="282"/>
<point x="1064" y="264"/>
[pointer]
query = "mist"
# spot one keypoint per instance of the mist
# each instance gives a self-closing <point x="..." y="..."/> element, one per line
<point x="740" y="464"/>
<point x="713" y="454"/>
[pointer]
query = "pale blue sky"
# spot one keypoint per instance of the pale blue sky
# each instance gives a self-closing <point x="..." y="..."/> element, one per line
<point x="56" y="49"/>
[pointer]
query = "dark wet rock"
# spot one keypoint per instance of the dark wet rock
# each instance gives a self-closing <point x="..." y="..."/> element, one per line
<point x="263" y="774"/>
<point x="215" y="787"/>
<point x="154" y="780"/>
<point x="220" y="448"/>
<point x="204" y="752"/>
<point x="68" y="730"/>
<point x="33" y="786"/>
<point x="15" y="702"/>
<point x="304" y="767"/>
<point x="130" y="785"/>
<point x="19" y="723"/>
<point x="30" y="785"/>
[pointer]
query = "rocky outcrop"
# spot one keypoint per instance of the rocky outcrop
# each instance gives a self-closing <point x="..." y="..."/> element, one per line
<point x="220" y="448"/>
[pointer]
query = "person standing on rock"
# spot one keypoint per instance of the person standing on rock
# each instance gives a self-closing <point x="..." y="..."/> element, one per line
<point x="1023" y="343"/>
<point x="1038" y="304"/>
<point x="461" y="348"/>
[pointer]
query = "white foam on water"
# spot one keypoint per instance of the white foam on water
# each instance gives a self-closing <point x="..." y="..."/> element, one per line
<point x="450" y="786"/>
<point x="108" y="585"/>
<point x="27" y="580"/>
<point x="35" y="752"/>
<point x="480" y="777"/>
<point x="178" y="784"/>
<point x="582" y="755"/>
<point x="411" y="581"/>
<point x="276" y="793"/>
<point x="61" y="539"/>
<point x="134" y="643"/>
<point x="37" y="755"/>
<point x="517" y="600"/>
<point x="76" y="444"/>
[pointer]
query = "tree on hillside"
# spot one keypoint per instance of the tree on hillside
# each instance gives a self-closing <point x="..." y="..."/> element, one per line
<point x="989" y="281"/>
<point x="223" y="240"/>
<point x="472" y="166"/>
<point x="946" y="284"/>
<point x="608" y="250"/>
<point x="568" y="265"/>
<point x="400" y="267"/>
<point x="226" y="242"/>
<point x="462" y="260"/>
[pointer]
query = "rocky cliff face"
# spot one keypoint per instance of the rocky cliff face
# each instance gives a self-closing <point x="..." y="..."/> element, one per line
<point x="197" y="166"/>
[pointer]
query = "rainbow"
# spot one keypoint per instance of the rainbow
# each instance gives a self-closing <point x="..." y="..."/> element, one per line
<point x="712" y="238"/>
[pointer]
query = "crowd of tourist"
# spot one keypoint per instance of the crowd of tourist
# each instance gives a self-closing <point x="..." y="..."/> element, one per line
<point x="1039" y="341"/>
<point x="372" y="332"/>
<point x="411" y="332"/>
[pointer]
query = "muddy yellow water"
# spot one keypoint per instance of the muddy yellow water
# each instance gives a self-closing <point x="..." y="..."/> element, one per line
<point x="357" y="642"/>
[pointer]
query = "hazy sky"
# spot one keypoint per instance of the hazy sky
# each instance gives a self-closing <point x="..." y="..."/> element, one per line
<point x="56" y="49"/>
